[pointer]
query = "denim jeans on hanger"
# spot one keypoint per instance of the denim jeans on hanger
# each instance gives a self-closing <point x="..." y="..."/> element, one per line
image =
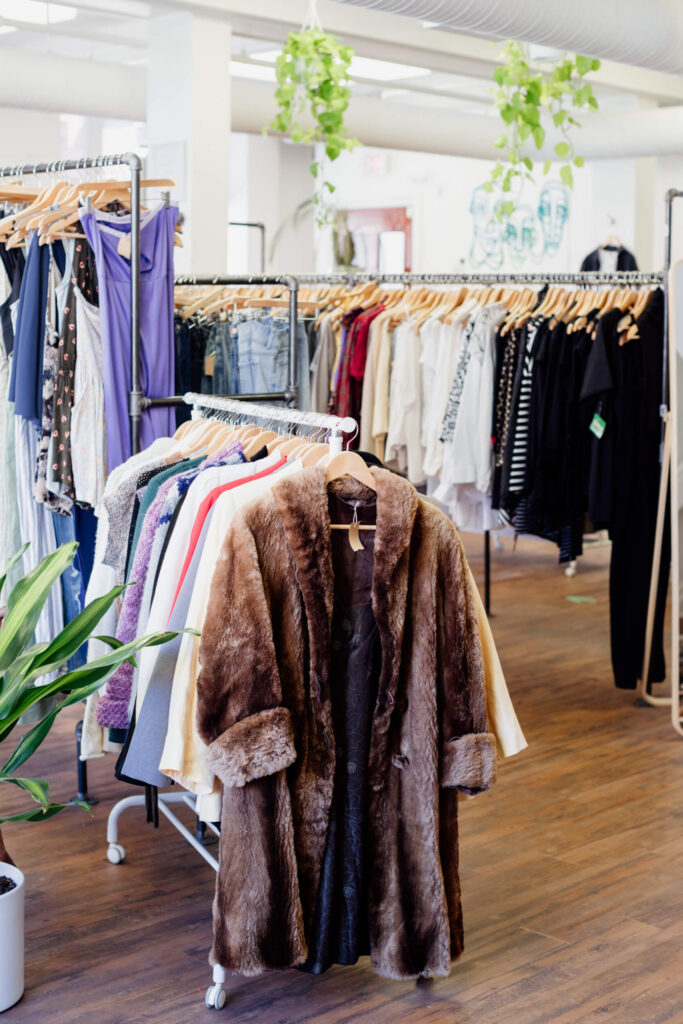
<point x="263" y="352"/>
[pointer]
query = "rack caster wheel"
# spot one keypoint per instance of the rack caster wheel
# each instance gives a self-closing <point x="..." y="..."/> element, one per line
<point x="116" y="853"/>
<point x="215" y="997"/>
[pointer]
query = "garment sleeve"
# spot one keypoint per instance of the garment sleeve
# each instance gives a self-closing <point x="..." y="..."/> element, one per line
<point x="467" y="747"/>
<point x="239" y="711"/>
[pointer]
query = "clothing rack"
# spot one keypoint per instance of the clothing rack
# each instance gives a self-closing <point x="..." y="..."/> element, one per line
<point x="336" y="426"/>
<point x="586" y="278"/>
<point x="136" y="399"/>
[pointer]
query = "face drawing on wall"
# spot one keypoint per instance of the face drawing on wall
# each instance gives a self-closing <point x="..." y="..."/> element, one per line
<point x="521" y="233"/>
<point x="487" y="237"/>
<point x="553" y="211"/>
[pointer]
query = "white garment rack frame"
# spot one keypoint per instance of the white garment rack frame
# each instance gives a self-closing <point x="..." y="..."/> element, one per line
<point x="335" y="427"/>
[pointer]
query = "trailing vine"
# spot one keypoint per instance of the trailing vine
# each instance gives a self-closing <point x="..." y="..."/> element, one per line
<point x="522" y="95"/>
<point x="312" y="95"/>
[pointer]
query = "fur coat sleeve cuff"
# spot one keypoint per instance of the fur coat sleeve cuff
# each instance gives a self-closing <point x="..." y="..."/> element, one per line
<point x="259" y="745"/>
<point x="469" y="762"/>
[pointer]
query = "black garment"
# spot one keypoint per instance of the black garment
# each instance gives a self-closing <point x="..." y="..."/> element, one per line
<point x="625" y="260"/>
<point x="190" y="345"/>
<point x="341" y="929"/>
<point x="636" y="492"/>
<point x="14" y="262"/>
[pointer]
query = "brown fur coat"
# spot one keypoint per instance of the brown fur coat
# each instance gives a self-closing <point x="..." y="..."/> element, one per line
<point x="264" y="710"/>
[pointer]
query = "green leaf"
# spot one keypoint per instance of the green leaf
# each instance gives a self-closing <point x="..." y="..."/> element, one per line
<point x="506" y="208"/>
<point x="39" y="813"/>
<point x="29" y="743"/>
<point x="528" y="163"/>
<point x="26" y="601"/>
<point x="501" y="141"/>
<point x="314" y="168"/>
<point x="539" y="137"/>
<point x="578" y="161"/>
<point x="546" y="167"/>
<point x="559" y="117"/>
<point x="593" y="103"/>
<point x="36" y="788"/>
<point x="566" y="176"/>
<point x="562" y="150"/>
<point x="500" y="76"/>
<point x="586" y="64"/>
<point x="10" y="565"/>
<point x="488" y="187"/>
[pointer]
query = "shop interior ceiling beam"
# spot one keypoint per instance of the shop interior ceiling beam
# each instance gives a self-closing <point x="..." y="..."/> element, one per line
<point x="649" y="132"/>
<point x="649" y="35"/>
<point x="391" y="37"/>
<point x="45" y="81"/>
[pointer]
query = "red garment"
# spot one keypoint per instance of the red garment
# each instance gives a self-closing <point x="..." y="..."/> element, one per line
<point x="360" y="349"/>
<point x="342" y="394"/>
<point x="359" y="357"/>
<point x="204" y="509"/>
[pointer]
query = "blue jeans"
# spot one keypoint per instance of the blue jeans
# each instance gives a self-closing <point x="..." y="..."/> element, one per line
<point x="263" y="355"/>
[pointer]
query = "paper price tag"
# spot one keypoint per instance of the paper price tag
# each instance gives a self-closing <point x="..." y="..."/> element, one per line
<point x="597" y="426"/>
<point x="209" y="364"/>
<point x="124" y="246"/>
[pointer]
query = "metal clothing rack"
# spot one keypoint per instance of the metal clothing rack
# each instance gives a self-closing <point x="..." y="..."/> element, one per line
<point x="336" y="427"/>
<point x="135" y="402"/>
<point x="134" y="164"/>
<point x="585" y="278"/>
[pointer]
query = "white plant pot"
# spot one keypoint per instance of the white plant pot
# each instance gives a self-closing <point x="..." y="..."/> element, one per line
<point x="11" y="939"/>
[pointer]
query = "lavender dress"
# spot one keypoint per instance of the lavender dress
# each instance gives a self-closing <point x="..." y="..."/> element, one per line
<point x="105" y="231"/>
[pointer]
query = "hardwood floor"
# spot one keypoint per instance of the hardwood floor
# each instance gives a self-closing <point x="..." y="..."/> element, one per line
<point x="572" y="867"/>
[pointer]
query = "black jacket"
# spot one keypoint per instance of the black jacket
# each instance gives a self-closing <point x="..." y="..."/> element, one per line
<point x="625" y="260"/>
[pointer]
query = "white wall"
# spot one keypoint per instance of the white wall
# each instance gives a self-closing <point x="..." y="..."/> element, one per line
<point x="269" y="179"/>
<point x="438" y="190"/>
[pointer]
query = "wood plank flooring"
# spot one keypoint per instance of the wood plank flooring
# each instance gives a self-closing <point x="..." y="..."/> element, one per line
<point x="572" y="867"/>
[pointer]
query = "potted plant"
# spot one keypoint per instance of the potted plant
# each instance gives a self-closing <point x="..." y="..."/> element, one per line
<point x="23" y="666"/>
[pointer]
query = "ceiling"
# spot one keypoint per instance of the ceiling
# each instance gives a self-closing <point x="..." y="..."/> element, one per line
<point x="118" y="31"/>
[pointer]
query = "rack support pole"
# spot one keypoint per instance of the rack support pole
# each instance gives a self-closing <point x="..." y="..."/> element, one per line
<point x="135" y="396"/>
<point x="292" y="376"/>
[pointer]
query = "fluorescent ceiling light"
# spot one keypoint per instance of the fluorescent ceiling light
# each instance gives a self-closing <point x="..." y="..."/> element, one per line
<point x="35" y="12"/>
<point x="366" y="67"/>
<point x="254" y="71"/>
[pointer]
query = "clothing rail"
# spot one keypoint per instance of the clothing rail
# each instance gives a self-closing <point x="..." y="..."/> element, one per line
<point x="337" y="426"/>
<point x="116" y="852"/>
<point x="135" y="396"/>
<point x="290" y="395"/>
<point x="586" y="278"/>
<point x="622" y="277"/>
<point x="134" y="164"/>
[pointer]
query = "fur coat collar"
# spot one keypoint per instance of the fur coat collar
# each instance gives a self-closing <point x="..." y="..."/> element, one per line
<point x="264" y="709"/>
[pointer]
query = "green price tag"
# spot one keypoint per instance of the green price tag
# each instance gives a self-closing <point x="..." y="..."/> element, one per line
<point x="598" y="426"/>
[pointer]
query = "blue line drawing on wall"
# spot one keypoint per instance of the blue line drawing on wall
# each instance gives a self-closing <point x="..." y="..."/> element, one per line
<point x="527" y="234"/>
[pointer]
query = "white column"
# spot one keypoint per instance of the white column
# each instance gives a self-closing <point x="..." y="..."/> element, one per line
<point x="188" y="124"/>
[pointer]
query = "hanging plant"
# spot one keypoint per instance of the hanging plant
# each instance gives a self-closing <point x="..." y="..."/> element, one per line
<point x="522" y="96"/>
<point x="312" y="96"/>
